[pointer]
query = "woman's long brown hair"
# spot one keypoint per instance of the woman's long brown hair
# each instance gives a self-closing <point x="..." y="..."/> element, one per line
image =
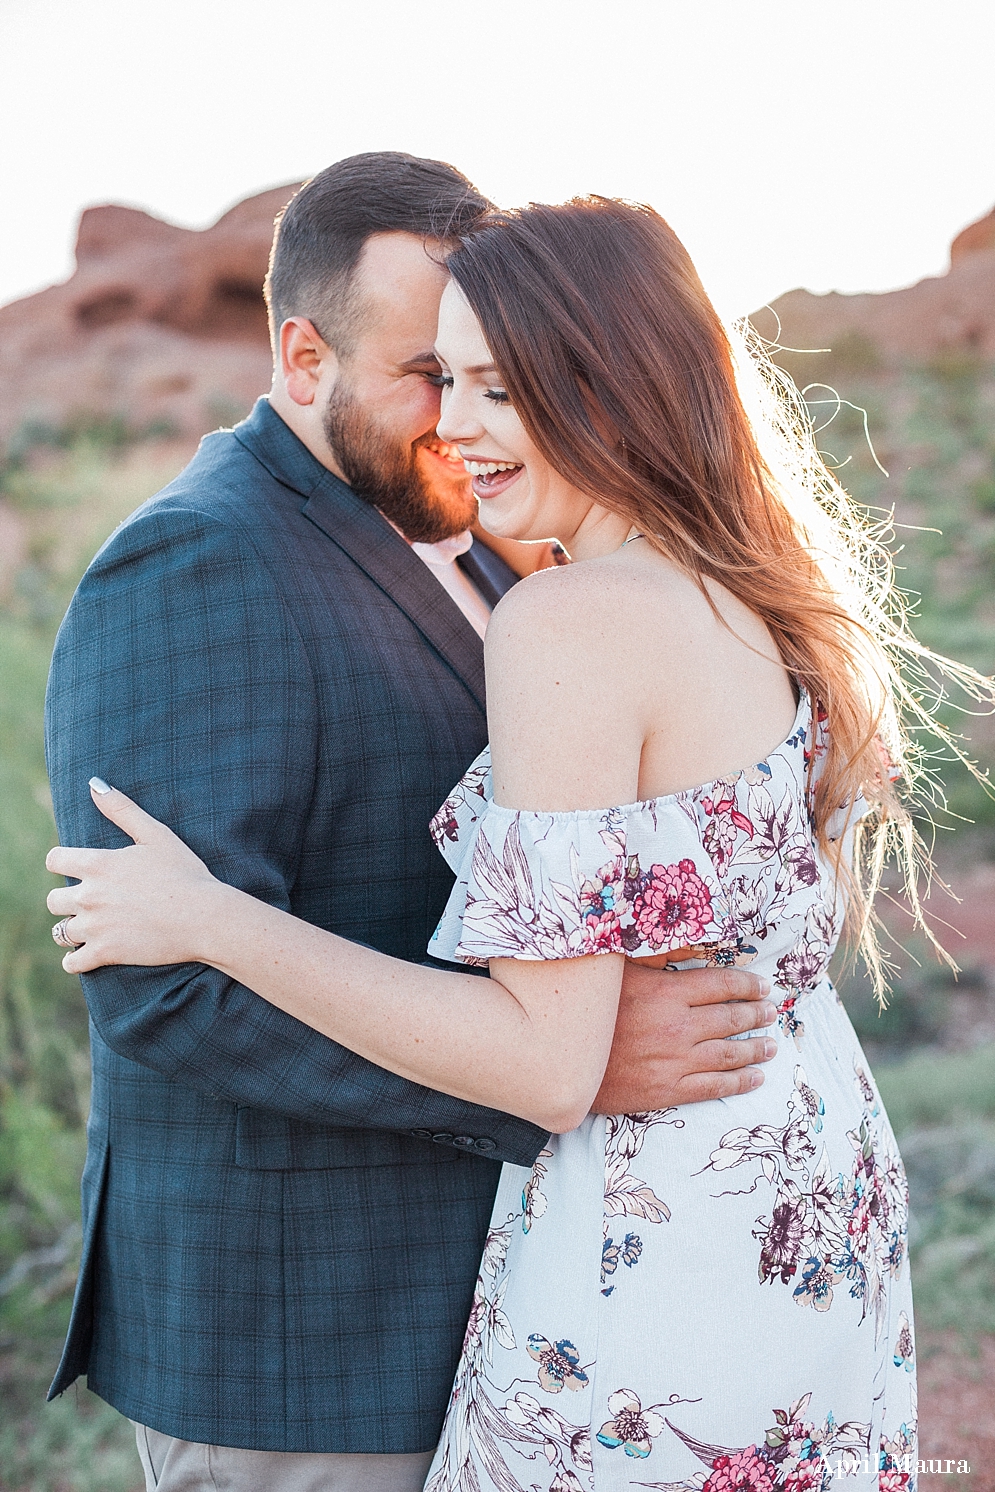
<point x="629" y="384"/>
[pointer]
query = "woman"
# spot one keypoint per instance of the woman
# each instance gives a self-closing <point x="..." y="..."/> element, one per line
<point x="686" y="727"/>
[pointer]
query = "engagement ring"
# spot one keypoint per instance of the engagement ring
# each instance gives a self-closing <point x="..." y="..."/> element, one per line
<point x="61" y="936"/>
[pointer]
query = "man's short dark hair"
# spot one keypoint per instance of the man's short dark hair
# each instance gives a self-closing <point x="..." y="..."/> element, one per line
<point x="321" y="232"/>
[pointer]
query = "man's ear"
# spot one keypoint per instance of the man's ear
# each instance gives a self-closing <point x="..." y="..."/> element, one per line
<point x="304" y="357"/>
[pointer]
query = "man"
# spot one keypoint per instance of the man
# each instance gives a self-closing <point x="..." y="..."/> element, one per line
<point x="281" y="1239"/>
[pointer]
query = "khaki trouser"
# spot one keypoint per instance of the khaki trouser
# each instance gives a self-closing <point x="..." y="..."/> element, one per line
<point x="185" y="1466"/>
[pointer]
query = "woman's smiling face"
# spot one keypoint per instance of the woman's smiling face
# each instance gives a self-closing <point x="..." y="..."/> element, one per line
<point x="521" y="495"/>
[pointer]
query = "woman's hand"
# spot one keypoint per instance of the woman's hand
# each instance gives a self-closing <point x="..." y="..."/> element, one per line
<point x="150" y="903"/>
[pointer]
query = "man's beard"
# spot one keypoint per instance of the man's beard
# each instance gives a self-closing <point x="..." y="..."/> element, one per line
<point x="385" y="474"/>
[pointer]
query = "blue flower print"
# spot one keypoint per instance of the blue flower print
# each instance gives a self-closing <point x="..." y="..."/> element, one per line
<point x="559" y="1365"/>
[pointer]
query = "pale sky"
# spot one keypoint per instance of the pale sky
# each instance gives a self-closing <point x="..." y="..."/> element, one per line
<point x="837" y="145"/>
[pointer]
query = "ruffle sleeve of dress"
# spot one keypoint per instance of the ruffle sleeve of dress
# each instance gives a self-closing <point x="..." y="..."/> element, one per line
<point x="710" y="873"/>
<point x="635" y="879"/>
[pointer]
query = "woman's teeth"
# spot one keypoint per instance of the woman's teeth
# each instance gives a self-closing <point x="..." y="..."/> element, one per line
<point x="489" y="468"/>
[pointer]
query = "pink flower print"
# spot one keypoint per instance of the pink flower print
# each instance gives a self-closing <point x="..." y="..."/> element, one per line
<point x="603" y="890"/>
<point x="601" y="901"/>
<point x="631" y="1425"/>
<point x="741" y="821"/>
<point x="673" y="907"/>
<point x="719" y="838"/>
<point x="559" y="1366"/>
<point x="806" y="1476"/>
<point x="602" y="933"/>
<point x="747" y="1470"/>
<point x="894" y="1454"/>
<point x="859" y="1224"/>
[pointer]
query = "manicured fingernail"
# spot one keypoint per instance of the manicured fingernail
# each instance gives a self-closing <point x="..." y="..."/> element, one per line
<point x="98" y="785"/>
<point x="770" y="1048"/>
<point x="764" y="986"/>
<point x="768" y="1013"/>
<point x="756" y="1078"/>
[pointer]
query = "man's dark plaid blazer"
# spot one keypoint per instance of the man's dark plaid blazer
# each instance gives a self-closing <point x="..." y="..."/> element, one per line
<point x="280" y="1239"/>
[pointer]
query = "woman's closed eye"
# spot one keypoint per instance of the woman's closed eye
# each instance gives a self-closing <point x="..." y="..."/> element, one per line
<point x="446" y="381"/>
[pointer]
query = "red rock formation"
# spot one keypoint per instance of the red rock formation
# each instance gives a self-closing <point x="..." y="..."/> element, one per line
<point x="165" y="326"/>
<point x="159" y="325"/>
<point x="951" y="314"/>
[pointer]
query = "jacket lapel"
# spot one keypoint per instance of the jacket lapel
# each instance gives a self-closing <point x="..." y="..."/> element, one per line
<point x="365" y="535"/>
<point x="372" y="544"/>
<point x="488" y="571"/>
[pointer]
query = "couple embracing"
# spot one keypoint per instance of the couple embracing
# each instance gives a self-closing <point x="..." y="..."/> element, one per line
<point x="582" y="1049"/>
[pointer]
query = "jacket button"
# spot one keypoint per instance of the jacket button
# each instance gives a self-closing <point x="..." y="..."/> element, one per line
<point x="485" y="1144"/>
<point x="421" y="1134"/>
<point x="443" y="1139"/>
<point x="465" y="1142"/>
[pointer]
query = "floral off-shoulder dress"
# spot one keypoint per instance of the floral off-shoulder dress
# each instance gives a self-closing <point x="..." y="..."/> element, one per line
<point x="708" y="1298"/>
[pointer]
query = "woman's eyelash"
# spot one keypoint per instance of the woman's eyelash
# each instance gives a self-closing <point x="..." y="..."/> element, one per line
<point x="445" y="381"/>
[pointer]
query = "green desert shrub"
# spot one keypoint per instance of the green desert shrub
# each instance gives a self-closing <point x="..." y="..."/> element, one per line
<point x="67" y="489"/>
<point x="65" y="502"/>
<point x="942" y="1106"/>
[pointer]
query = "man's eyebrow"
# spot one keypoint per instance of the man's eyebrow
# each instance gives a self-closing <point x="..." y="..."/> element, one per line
<point x="419" y="359"/>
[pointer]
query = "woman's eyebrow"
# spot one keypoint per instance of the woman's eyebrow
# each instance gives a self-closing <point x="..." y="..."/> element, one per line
<point x="477" y="368"/>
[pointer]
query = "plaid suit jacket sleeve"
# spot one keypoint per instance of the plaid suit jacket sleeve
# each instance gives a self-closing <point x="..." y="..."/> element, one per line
<point x="176" y="652"/>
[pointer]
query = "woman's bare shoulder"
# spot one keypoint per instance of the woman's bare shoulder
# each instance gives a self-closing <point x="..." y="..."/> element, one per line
<point x="548" y="588"/>
<point x="560" y="612"/>
<point x="569" y="590"/>
<point x="590" y="672"/>
<point x="546" y="626"/>
<point x="577" y="672"/>
<point x="565" y="733"/>
<point x="537" y="632"/>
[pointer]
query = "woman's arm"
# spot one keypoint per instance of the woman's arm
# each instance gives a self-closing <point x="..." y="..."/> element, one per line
<point x="533" y="1040"/>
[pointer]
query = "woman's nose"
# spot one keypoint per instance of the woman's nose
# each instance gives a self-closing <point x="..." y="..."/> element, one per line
<point x="454" y="425"/>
